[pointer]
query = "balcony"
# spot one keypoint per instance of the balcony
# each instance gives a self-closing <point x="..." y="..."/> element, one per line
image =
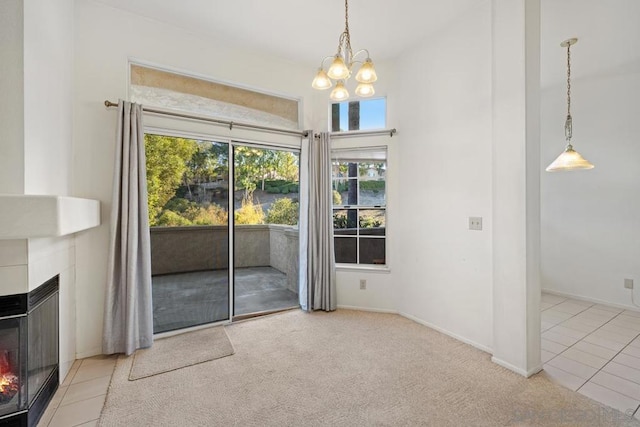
<point x="190" y="272"/>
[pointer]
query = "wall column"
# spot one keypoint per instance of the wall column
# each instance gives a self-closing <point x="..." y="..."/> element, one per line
<point x="516" y="184"/>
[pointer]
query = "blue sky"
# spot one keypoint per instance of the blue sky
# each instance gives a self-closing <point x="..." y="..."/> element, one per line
<point x="372" y="114"/>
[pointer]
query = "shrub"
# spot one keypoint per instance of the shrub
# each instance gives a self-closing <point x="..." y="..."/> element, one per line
<point x="211" y="215"/>
<point x="249" y="212"/>
<point x="172" y="219"/>
<point x="337" y="198"/>
<point x="283" y="211"/>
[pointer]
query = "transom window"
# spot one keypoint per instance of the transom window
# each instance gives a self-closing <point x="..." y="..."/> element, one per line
<point x="359" y="206"/>
<point x="368" y="114"/>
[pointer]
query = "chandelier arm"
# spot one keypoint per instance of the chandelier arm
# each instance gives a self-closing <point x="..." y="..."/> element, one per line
<point x="360" y="51"/>
<point x="323" y="61"/>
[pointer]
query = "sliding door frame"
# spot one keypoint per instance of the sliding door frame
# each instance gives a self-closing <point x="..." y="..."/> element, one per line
<point x="231" y="142"/>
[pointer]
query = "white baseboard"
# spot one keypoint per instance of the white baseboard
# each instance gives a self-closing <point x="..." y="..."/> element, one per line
<point x="446" y="332"/>
<point x="515" y="369"/>
<point x="593" y="300"/>
<point x="373" y="310"/>
<point x="93" y="352"/>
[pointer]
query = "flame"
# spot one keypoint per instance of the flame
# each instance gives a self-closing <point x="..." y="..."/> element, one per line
<point x="8" y="384"/>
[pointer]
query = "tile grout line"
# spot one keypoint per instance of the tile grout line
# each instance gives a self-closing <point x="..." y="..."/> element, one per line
<point x="609" y="361"/>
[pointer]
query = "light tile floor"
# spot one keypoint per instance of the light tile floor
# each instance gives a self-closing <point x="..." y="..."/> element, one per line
<point x="593" y="349"/>
<point x="79" y="399"/>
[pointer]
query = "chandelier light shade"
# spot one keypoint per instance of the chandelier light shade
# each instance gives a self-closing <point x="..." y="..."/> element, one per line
<point x="343" y="65"/>
<point x="365" y="89"/>
<point x="339" y="93"/>
<point x="321" y="81"/>
<point x="569" y="159"/>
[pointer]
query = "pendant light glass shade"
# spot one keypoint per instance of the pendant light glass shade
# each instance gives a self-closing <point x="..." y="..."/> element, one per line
<point x="338" y="69"/>
<point x="365" y="89"/>
<point x="367" y="74"/>
<point x="339" y="93"/>
<point x="569" y="160"/>
<point x="321" y="81"/>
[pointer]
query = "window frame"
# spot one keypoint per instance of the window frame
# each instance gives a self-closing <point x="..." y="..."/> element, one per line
<point x="358" y="237"/>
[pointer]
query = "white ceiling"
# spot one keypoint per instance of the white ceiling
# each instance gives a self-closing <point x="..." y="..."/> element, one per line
<point x="305" y="30"/>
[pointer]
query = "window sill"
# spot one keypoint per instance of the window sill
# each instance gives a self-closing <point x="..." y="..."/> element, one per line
<point x="363" y="268"/>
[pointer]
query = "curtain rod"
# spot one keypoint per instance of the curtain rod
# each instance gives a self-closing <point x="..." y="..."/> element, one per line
<point x="351" y="134"/>
<point x="231" y="124"/>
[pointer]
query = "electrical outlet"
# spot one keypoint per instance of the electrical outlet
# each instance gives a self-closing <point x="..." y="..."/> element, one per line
<point x="475" y="223"/>
<point x="628" y="283"/>
<point x="363" y="284"/>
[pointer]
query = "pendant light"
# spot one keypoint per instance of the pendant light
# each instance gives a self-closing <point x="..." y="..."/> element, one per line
<point x="342" y="67"/>
<point x="569" y="159"/>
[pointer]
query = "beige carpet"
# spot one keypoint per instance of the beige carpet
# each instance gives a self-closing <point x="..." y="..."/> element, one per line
<point x="345" y="368"/>
<point x="179" y="351"/>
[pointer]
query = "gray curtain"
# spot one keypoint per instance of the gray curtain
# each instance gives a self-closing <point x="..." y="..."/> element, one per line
<point x="321" y="272"/>
<point x="128" y="320"/>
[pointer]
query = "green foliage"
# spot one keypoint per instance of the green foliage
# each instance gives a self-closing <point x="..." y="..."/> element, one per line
<point x="372" y="185"/>
<point x="369" y="222"/>
<point x="337" y="198"/>
<point x="249" y="212"/>
<point x="339" y="220"/>
<point x="177" y="167"/>
<point x="211" y="215"/>
<point x="167" y="159"/>
<point x="283" y="211"/>
<point x="172" y="219"/>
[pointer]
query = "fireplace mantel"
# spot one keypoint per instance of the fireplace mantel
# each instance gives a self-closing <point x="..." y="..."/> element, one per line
<point x="30" y="216"/>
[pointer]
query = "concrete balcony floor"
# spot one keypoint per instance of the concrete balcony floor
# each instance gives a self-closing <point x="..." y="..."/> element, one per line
<point x="189" y="299"/>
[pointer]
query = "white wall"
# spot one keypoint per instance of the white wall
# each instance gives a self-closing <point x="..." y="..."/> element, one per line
<point x="48" y="66"/>
<point x="591" y="219"/>
<point x="12" y="90"/>
<point x="104" y="40"/>
<point x="443" y="110"/>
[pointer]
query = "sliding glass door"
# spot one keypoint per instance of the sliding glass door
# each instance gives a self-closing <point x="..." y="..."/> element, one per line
<point x="266" y="210"/>
<point x="188" y="192"/>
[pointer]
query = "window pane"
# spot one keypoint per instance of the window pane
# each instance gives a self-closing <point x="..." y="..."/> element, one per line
<point x="345" y="222"/>
<point x="372" y="251"/>
<point x="372" y="222"/>
<point x="359" y="115"/>
<point x="346" y="249"/>
<point x="372" y="193"/>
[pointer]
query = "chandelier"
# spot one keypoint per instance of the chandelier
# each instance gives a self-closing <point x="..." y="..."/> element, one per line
<point x="569" y="159"/>
<point x="342" y="67"/>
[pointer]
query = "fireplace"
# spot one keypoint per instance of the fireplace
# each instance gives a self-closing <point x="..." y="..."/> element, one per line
<point x="28" y="354"/>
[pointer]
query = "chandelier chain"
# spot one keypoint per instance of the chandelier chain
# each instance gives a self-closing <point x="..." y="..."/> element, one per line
<point x="569" y="80"/>
<point x="344" y="43"/>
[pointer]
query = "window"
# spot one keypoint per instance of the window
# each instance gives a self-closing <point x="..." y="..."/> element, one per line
<point x="161" y="88"/>
<point x="359" y="206"/>
<point x="369" y="114"/>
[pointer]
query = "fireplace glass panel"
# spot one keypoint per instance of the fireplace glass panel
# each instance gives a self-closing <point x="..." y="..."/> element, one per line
<point x="43" y="344"/>
<point x="12" y="365"/>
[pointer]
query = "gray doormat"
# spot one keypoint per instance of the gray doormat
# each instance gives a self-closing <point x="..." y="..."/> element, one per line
<point x="180" y="351"/>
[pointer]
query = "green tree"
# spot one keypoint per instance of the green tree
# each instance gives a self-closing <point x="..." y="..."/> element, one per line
<point x="167" y="159"/>
<point x="283" y="211"/>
